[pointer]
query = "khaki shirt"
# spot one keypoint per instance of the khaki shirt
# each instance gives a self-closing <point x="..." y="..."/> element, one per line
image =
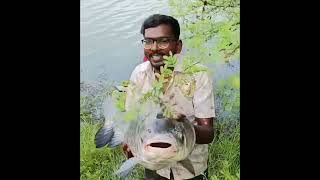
<point x="194" y="97"/>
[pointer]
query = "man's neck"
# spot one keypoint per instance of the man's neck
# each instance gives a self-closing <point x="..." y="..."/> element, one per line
<point x="155" y="70"/>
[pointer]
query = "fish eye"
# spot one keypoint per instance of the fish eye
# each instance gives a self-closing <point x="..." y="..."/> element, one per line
<point x="180" y="135"/>
<point x="182" y="138"/>
<point x="179" y="128"/>
<point x="149" y="130"/>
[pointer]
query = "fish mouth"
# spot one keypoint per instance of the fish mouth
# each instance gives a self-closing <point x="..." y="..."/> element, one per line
<point x="159" y="150"/>
<point x="160" y="145"/>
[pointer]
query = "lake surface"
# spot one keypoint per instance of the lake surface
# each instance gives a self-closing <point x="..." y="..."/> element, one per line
<point x="111" y="41"/>
<point x="110" y="36"/>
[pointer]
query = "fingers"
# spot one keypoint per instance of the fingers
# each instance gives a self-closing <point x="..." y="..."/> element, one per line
<point x="127" y="152"/>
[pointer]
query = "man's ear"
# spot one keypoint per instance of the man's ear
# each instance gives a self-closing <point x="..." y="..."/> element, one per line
<point x="179" y="46"/>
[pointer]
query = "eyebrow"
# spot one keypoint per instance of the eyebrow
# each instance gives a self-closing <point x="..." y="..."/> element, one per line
<point x="159" y="37"/>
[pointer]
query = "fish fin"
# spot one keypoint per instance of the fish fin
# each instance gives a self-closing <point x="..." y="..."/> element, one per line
<point x="116" y="140"/>
<point x="127" y="167"/>
<point x="104" y="135"/>
<point x="188" y="165"/>
<point x="109" y="108"/>
<point x="107" y="136"/>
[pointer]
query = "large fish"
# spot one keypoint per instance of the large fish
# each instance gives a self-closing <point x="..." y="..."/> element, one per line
<point x="155" y="142"/>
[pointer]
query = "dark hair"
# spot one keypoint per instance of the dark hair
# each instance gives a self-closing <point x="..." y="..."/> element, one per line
<point x="158" y="19"/>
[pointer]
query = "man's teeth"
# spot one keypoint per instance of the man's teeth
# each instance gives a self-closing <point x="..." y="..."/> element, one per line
<point x="156" y="57"/>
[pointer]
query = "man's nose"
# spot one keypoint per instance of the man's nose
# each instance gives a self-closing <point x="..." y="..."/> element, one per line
<point x="154" y="46"/>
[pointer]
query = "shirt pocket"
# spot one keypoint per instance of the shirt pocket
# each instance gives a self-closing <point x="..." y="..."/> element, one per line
<point x="187" y="86"/>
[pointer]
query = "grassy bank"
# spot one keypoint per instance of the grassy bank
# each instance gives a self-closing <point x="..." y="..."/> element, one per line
<point x="97" y="164"/>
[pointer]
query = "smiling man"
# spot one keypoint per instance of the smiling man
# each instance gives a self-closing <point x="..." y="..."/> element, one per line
<point x="194" y="98"/>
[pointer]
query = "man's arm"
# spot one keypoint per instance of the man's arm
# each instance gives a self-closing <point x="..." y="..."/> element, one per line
<point x="204" y="130"/>
<point x="204" y="107"/>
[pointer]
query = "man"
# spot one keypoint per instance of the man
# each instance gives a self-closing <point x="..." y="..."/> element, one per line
<point x="161" y="35"/>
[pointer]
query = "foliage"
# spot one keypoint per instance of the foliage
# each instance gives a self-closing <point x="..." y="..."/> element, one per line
<point x="210" y="28"/>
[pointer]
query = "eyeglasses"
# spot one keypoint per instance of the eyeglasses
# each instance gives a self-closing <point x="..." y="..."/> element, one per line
<point x="162" y="43"/>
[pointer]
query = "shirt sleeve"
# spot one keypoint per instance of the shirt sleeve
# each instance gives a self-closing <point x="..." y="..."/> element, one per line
<point x="203" y="100"/>
<point x="133" y="92"/>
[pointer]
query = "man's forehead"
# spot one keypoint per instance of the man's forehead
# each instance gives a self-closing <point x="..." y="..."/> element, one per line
<point x="162" y="30"/>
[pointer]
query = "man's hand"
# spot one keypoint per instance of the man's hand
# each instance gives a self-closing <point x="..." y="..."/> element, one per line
<point x="127" y="151"/>
<point x="203" y="126"/>
<point x="204" y="130"/>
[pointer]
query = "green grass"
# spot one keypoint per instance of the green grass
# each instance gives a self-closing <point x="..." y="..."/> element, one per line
<point x="224" y="153"/>
<point x="101" y="163"/>
<point x="95" y="164"/>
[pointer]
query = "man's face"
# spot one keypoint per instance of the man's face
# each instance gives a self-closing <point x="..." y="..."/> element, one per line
<point x="155" y="54"/>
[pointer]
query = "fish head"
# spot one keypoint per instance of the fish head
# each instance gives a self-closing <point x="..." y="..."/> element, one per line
<point x="167" y="140"/>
